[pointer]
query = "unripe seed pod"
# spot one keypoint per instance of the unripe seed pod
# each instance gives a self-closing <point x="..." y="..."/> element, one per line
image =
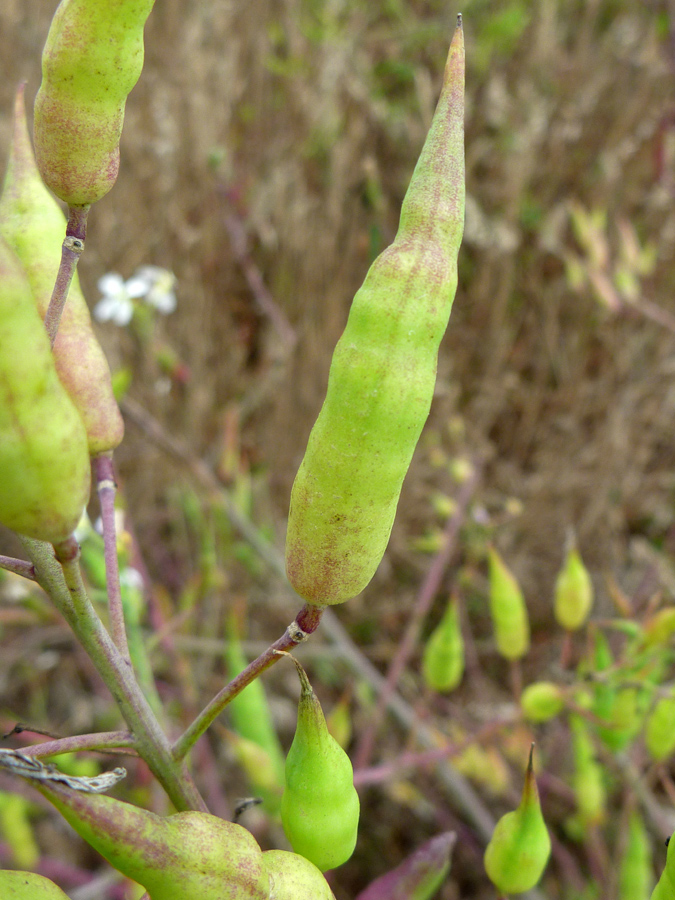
<point x="419" y="876"/>
<point x="660" y="729"/>
<point x="542" y="701"/>
<point x="43" y="446"/>
<point x="573" y="592"/>
<point x="519" y="849"/>
<point x="34" y="226"/>
<point x="443" y="658"/>
<point x="187" y="855"/>
<point x="92" y="58"/>
<point x="320" y="806"/>
<point x="293" y="877"/>
<point x="635" y="871"/>
<point x="509" y="612"/>
<point x="588" y="780"/>
<point x="383" y="373"/>
<point x="28" y="886"/>
<point x="665" y="888"/>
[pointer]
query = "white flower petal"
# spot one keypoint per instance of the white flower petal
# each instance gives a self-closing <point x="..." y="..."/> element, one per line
<point x="137" y="287"/>
<point x="110" y="284"/>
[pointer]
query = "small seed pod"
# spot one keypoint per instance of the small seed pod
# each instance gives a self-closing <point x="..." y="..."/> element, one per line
<point x="588" y="780"/>
<point x="443" y="658"/>
<point x="34" y="226"/>
<point x="542" y="701"/>
<point x="635" y="870"/>
<point x="660" y="729"/>
<point x="519" y="849"/>
<point x="28" y="886"/>
<point x="573" y="592"/>
<point x="509" y="612"/>
<point x="44" y="459"/>
<point x="419" y="876"/>
<point x="92" y="58"/>
<point x="293" y="877"/>
<point x="665" y="888"/>
<point x="320" y="806"/>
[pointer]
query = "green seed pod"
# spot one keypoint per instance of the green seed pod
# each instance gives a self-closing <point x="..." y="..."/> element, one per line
<point x="28" y="886"/>
<point x="293" y="877"/>
<point x="542" y="701"/>
<point x="43" y="446"/>
<point x="660" y="729"/>
<point x="320" y="806"/>
<point x="382" y="375"/>
<point x="443" y="658"/>
<point x="92" y="59"/>
<point x="635" y="870"/>
<point x="588" y="780"/>
<point x="190" y="854"/>
<point x="34" y="226"/>
<point x="665" y="888"/>
<point x="509" y="612"/>
<point x="573" y="592"/>
<point x="419" y="876"/>
<point x="519" y="849"/>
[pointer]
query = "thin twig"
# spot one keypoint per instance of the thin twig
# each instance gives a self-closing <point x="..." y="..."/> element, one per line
<point x="18" y="567"/>
<point x="103" y="741"/>
<point x="71" y="251"/>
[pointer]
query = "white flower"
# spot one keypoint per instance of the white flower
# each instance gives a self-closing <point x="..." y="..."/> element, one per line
<point x="158" y="287"/>
<point x="151" y="283"/>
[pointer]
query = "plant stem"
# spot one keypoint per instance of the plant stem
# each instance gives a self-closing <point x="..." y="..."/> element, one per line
<point x="63" y="583"/>
<point x="105" y="740"/>
<point x="298" y="631"/>
<point x="106" y="487"/>
<point x="71" y="251"/>
<point x="18" y="566"/>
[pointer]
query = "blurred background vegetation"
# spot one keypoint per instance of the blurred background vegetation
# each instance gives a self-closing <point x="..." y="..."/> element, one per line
<point x="266" y="151"/>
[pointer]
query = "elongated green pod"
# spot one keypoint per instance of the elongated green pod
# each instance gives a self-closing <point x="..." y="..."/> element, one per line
<point x="34" y="226"/>
<point x="520" y="846"/>
<point x="320" y="806"/>
<point x="660" y="729"/>
<point x="542" y="701"/>
<point x="382" y="375"/>
<point x="190" y="854"/>
<point x="419" y="876"/>
<point x="28" y="886"/>
<point x="588" y="780"/>
<point x="44" y="460"/>
<point x="92" y="58"/>
<point x="665" y="887"/>
<point x="573" y="592"/>
<point x="443" y="657"/>
<point x="635" y="869"/>
<point x="509" y="612"/>
<point x="293" y="877"/>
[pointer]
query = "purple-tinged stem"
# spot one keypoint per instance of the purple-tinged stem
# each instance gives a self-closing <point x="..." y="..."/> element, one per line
<point x="18" y="566"/>
<point x="71" y="251"/>
<point x="105" y="740"/>
<point x="106" y="486"/>
<point x="425" y="599"/>
<point x="298" y="631"/>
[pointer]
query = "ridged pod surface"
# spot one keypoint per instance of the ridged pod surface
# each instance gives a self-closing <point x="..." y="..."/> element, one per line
<point x="92" y="59"/>
<point x="44" y="459"/>
<point x="34" y="226"/>
<point x="383" y="374"/>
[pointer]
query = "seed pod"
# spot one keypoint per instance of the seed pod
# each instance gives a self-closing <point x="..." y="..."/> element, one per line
<point x="419" y="876"/>
<point x="542" y="701"/>
<point x="507" y="607"/>
<point x="92" y="58"/>
<point x="588" y="780"/>
<point x="665" y="888"/>
<point x="34" y="226"/>
<point x="660" y="729"/>
<point x="382" y="375"/>
<point x="28" y="886"/>
<point x="190" y="854"/>
<point x="573" y="592"/>
<point x="519" y="849"/>
<point x="293" y="877"/>
<point x="443" y="658"/>
<point x="319" y="807"/>
<point x="43" y="446"/>
<point x="635" y="870"/>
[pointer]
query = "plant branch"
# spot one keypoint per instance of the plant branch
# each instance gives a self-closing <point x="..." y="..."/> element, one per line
<point x="71" y="251"/>
<point x="18" y="566"/>
<point x="63" y="583"/>
<point x="298" y="631"/>
<point x="105" y="740"/>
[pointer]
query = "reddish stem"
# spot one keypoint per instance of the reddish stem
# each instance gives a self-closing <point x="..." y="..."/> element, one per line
<point x="71" y="251"/>
<point x="18" y="566"/>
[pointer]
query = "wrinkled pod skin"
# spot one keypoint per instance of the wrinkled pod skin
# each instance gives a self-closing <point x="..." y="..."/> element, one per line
<point x="44" y="458"/>
<point x="293" y="877"/>
<point x="28" y="886"/>
<point x="319" y="806"/>
<point x="34" y="226"/>
<point x="92" y="59"/>
<point x="383" y="373"/>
